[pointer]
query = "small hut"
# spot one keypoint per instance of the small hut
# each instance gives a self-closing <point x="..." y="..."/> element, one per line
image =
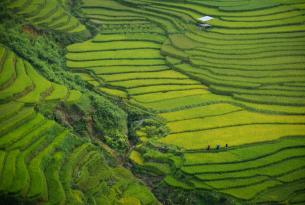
<point x="204" y="25"/>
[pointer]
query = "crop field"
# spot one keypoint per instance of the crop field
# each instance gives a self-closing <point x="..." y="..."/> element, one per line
<point x="48" y="14"/>
<point x="232" y="96"/>
<point x="40" y="159"/>
<point x="20" y="82"/>
<point x="214" y="107"/>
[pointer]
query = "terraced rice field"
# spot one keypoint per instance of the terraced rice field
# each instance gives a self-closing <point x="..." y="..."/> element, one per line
<point x="239" y="83"/>
<point x="47" y="14"/>
<point x="20" y="82"/>
<point x="41" y="160"/>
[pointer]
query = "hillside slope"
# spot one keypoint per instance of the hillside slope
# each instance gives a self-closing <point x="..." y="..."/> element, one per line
<point x="207" y="112"/>
<point x="47" y="15"/>
<point x="232" y="96"/>
<point x="41" y="161"/>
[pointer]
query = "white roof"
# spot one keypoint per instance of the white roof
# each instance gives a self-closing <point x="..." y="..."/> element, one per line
<point x="205" y="18"/>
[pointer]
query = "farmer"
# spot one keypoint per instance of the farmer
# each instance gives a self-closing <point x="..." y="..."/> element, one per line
<point x="208" y="147"/>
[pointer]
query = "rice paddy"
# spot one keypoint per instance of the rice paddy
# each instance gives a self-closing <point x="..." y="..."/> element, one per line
<point x="230" y="92"/>
<point x="47" y="14"/>
<point x="40" y="160"/>
<point x="231" y="95"/>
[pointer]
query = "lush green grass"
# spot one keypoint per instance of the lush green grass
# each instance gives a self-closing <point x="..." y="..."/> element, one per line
<point x="169" y="50"/>
<point x="20" y="131"/>
<point x="246" y="165"/>
<point x="136" y="158"/>
<point x="138" y="37"/>
<point x="283" y="193"/>
<point x="20" y="86"/>
<point x="74" y="96"/>
<point x="130" y="201"/>
<point x="113" y="92"/>
<point x="225" y="184"/>
<point x="116" y="45"/>
<point x="293" y="176"/>
<point x="56" y="192"/>
<point x="233" y="54"/>
<point x="144" y="83"/>
<point x="163" y="88"/>
<point x="211" y="79"/>
<point x="9" y="170"/>
<point x="272" y="170"/>
<point x="181" y="103"/>
<point x="129" y="54"/>
<point x="137" y="191"/>
<point x="269" y="99"/>
<point x="279" y="29"/>
<point x="8" y="70"/>
<point x="30" y="138"/>
<point x="67" y="170"/>
<point x="47" y="15"/>
<point x="21" y="178"/>
<point x="235" y="135"/>
<point x="38" y="179"/>
<point x="223" y="57"/>
<point x="18" y="119"/>
<point x="251" y="191"/>
<point x="2" y="160"/>
<point x="259" y="93"/>
<point x="127" y="69"/>
<point x="9" y="109"/>
<point x="160" y="96"/>
<point x="252" y="62"/>
<point x="115" y="62"/>
<point x="248" y="41"/>
<point x="2" y="54"/>
<point x="246" y="153"/>
<point x="242" y="24"/>
<point x="59" y="92"/>
<point x="200" y="112"/>
<point x="232" y="119"/>
<point x="36" y="157"/>
<point x="168" y="74"/>
<point x="41" y="86"/>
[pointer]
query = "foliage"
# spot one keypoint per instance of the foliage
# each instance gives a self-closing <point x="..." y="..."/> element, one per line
<point x="52" y="158"/>
<point x="173" y="196"/>
<point x="117" y="141"/>
<point x="151" y="128"/>
<point x="153" y="58"/>
<point x="91" y="116"/>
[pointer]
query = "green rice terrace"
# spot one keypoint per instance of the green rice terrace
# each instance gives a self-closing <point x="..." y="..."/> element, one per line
<point x="148" y="102"/>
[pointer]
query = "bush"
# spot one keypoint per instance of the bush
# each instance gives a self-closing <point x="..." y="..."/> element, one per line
<point x="117" y="141"/>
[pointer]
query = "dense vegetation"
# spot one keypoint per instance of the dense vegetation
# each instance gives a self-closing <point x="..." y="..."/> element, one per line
<point x="56" y="134"/>
<point x="206" y="115"/>
<point x="240" y="83"/>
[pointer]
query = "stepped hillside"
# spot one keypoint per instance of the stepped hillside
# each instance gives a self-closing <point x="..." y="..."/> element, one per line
<point x="202" y="100"/>
<point x="47" y="14"/>
<point x="43" y="162"/>
<point x="238" y="85"/>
